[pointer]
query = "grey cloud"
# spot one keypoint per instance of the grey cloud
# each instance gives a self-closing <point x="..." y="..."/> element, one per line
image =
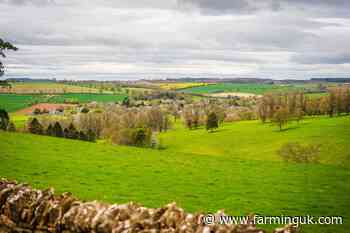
<point x="322" y="58"/>
<point x="332" y="8"/>
<point x="225" y="6"/>
<point x="28" y="2"/>
<point x="157" y="37"/>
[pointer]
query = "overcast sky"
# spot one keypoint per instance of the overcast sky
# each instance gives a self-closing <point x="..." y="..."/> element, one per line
<point x="128" y="39"/>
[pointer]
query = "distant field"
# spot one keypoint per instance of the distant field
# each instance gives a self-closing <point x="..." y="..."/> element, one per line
<point x="245" y="88"/>
<point x="45" y="87"/>
<point x="179" y="85"/>
<point x="15" y="102"/>
<point x="86" y="98"/>
<point x="230" y="169"/>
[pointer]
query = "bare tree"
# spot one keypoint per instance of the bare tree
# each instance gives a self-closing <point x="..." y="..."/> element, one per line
<point x="281" y="117"/>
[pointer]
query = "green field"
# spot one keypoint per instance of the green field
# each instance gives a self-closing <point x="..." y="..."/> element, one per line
<point x="235" y="168"/>
<point x="245" y="88"/>
<point x="14" y="102"/>
<point x="86" y="98"/>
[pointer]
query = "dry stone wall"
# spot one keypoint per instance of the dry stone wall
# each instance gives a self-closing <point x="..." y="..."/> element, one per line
<point x="27" y="210"/>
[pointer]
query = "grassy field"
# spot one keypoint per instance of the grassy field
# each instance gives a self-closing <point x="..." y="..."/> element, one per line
<point x="245" y="88"/>
<point x="86" y="98"/>
<point x="20" y="121"/>
<point x="46" y="87"/>
<point x="231" y="169"/>
<point x="238" y="140"/>
<point x="15" y="102"/>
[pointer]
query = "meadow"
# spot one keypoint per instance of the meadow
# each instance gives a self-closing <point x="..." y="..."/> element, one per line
<point x="15" y="102"/>
<point x="253" y="88"/>
<point x="231" y="169"/>
<point x="86" y="98"/>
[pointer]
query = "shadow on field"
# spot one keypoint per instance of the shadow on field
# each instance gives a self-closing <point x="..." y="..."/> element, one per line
<point x="217" y="131"/>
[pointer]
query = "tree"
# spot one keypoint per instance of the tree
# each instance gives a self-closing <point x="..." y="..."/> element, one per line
<point x="331" y="103"/>
<point x="90" y="135"/>
<point x="212" y="121"/>
<point x="126" y="102"/>
<point x="57" y="130"/>
<point x="299" y="114"/>
<point x="4" y="119"/>
<point x="347" y="101"/>
<point x="141" y="137"/>
<point x="36" y="111"/>
<point x="263" y="110"/>
<point x="71" y="132"/>
<point x="11" y="127"/>
<point x="49" y="130"/>
<point x="65" y="132"/>
<point x="281" y="117"/>
<point x="84" y="110"/>
<point x="82" y="136"/>
<point x="35" y="127"/>
<point x="3" y="47"/>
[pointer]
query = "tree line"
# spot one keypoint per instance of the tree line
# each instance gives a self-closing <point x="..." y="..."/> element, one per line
<point x="56" y="130"/>
<point x="283" y="107"/>
<point x="115" y="123"/>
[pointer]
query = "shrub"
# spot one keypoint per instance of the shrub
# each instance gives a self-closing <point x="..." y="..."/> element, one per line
<point x="4" y="119"/>
<point x="84" y="110"/>
<point x="212" y="121"/>
<point x="57" y="130"/>
<point x="90" y="135"/>
<point x="35" y="127"/>
<point x="296" y="152"/>
<point x="11" y="127"/>
<point x="82" y="136"/>
<point x="141" y="137"/>
<point x="71" y="132"/>
<point x="36" y="111"/>
<point x="49" y="130"/>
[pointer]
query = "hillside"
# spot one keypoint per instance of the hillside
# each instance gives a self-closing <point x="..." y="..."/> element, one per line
<point x="256" y="141"/>
<point x="235" y="169"/>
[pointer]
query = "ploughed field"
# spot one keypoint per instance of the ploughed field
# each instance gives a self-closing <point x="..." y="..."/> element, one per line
<point x="15" y="102"/>
<point x="235" y="168"/>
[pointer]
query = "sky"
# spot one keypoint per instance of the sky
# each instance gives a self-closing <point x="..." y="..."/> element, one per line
<point x="151" y="39"/>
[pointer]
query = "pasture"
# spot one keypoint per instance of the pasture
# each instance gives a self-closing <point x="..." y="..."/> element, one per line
<point x="231" y="169"/>
<point x="253" y="88"/>
<point x="86" y="98"/>
<point x="14" y="102"/>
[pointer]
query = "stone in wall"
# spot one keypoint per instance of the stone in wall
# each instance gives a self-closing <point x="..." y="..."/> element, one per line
<point x="23" y="209"/>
